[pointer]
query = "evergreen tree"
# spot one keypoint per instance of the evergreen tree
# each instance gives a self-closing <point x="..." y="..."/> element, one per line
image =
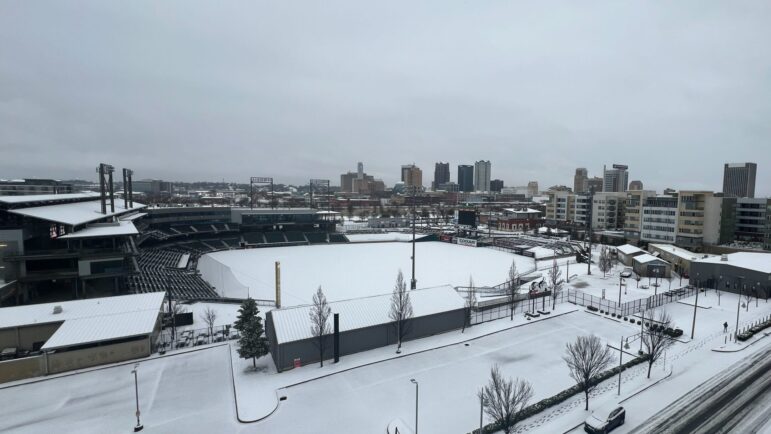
<point x="253" y="343"/>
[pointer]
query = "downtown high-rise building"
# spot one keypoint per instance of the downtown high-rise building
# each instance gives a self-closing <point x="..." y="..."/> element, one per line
<point x="615" y="179"/>
<point x="496" y="185"/>
<point x="482" y="175"/>
<point x="441" y="175"/>
<point x="465" y="177"/>
<point x="412" y="176"/>
<point x="580" y="180"/>
<point x="739" y="179"/>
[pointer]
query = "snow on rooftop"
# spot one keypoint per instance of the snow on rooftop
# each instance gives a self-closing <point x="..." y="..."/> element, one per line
<point x="644" y="259"/>
<point x="121" y="228"/>
<point x="628" y="249"/>
<point x="755" y="261"/>
<point x="104" y="307"/>
<point x="293" y="324"/>
<point x="76" y="213"/>
<point x="46" y="197"/>
<point x="678" y="251"/>
<point x="103" y="328"/>
<point x="132" y="217"/>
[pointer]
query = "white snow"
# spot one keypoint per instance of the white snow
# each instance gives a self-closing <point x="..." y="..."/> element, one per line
<point x="750" y="260"/>
<point x="100" y="328"/>
<point x="74" y="214"/>
<point x="121" y="228"/>
<point x="629" y="249"/>
<point x="346" y="271"/>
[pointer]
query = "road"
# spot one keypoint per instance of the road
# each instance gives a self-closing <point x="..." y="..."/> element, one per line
<point x="736" y="400"/>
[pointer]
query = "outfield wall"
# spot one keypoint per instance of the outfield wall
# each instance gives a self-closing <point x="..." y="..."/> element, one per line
<point x="222" y="278"/>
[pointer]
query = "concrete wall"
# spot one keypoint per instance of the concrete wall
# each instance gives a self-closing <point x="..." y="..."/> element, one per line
<point x="19" y="369"/>
<point x="354" y="341"/>
<point x="22" y="338"/>
<point x="79" y="359"/>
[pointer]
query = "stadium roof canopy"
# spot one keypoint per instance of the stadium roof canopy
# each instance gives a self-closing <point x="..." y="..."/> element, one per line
<point x="121" y="228"/>
<point x="76" y="213"/>
<point x="292" y="324"/>
<point x="33" y="198"/>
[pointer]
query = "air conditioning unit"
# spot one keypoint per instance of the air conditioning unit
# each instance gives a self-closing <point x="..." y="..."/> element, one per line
<point x="57" y="310"/>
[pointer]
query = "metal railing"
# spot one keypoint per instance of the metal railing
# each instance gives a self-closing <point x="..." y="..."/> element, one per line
<point x="187" y="337"/>
<point x="502" y="309"/>
<point x="631" y="307"/>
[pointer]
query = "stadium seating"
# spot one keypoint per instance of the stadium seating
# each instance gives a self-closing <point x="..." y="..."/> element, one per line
<point x="295" y="237"/>
<point x="316" y="237"/>
<point x="254" y="238"/>
<point x="337" y="238"/>
<point x="275" y="237"/>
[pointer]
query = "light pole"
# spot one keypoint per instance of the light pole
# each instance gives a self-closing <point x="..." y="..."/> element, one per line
<point x="481" y="413"/>
<point x="413" y="282"/>
<point x="695" y="305"/>
<point x="416" y="404"/>
<point x="620" y="279"/>
<point x="136" y="393"/>
<point x="738" y="308"/>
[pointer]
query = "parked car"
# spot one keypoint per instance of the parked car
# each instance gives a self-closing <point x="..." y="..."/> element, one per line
<point x="201" y="339"/>
<point x="219" y="336"/>
<point x="605" y="419"/>
<point x="627" y="272"/>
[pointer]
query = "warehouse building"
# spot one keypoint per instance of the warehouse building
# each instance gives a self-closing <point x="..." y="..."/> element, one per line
<point x="750" y="271"/>
<point x="627" y="252"/>
<point x="651" y="266"/>
<point x="49" y="338"/>
<point x="364" y="325"/>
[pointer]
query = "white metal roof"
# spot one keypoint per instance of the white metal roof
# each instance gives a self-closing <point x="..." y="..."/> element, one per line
<point x="679" y="252"/>
<point x="103" y="328"/>
<point x="293" y="324"/>
<point x="541" y="252"/>
<point x="132" y="217"/>
<point x="121" y="228"/>
<point x="46" y="197"/>
<point x="76" y="213"/>
<point x="760" y="262"/>
<point x="644" y="259"/>
<point x="628" y="249"/>
<point x="104" y="307"/>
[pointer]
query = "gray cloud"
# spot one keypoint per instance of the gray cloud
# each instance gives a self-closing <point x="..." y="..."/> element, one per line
<point x="200" y="90"/>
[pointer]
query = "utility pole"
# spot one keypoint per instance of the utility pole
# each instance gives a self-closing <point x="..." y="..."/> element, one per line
<point x="695" y="306"/>
<point x="413" y="282"/>
<point x="416" y="403"/>
<point x="589" y="230"/>
<point x="738" y="306"/>
<point x="139" y="426"/>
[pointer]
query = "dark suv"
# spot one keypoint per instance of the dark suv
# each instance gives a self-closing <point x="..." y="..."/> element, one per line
<point x="604" y="420"/>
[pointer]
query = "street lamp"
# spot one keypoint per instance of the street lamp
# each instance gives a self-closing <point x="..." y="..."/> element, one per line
<point x="738" y="308"/>
<point x="481" y="412"/>
<point x="695" y="305"/>
<point x="416" y="403"/>
<point x="139" y="426"/>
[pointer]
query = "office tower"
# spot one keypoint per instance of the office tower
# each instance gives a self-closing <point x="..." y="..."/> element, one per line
<point x="441" y="174"/>
<point x="482" y="175"/>
<point x="496" y="185"/>
<point x="615" y="179"/>
<point x="594" y="185"/>
<point x="532" y="188"/>
<point x="412" y="176"/>
<point x="360" y="172"/>
<point x="465" y="177"/>
<point x="635" y="185"/>
<point x="580" y="180"/>
<point x="739" y="179"/>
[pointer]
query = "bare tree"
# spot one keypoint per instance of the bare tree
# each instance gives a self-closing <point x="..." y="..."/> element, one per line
<point x="319" y="315"/>
<point x="208" y="316"/>
<point x="555" y="282"/>
<point x="654" y="340"/>
<point x="401" y="309"/>
<point x="471" y="302"/>
<point x="605" y="262"/>
<point x="512" y="286"/>
<point x="747" y="297"/>
<point x="587" y="357"/>
<point x="505" y="398"/>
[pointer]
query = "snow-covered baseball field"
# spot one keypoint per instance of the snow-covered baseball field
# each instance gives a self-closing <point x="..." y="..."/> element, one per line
<point x="352" y="270"/>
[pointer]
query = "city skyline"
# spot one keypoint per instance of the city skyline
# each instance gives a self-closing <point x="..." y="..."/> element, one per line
<point x="168" y="98"/>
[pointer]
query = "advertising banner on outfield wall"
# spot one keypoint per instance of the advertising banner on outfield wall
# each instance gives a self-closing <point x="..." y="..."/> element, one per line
<point x="466" y="242"/>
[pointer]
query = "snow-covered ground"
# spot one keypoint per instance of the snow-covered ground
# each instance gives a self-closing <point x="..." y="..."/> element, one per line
<point x="351" y="270"/>
<point x="390" y="236"/>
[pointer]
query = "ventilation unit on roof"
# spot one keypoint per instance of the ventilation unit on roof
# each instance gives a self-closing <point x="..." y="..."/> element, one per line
<point x="57" y="310"/>
<point x="724" y="257"/>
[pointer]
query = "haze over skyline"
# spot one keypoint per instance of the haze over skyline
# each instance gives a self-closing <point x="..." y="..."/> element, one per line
<point x="188" y="91"/>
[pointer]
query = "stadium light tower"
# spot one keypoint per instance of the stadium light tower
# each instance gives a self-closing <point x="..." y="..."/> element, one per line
<point x="259" y="180"/>
<point x="413" y="282"/>
<point x="318" y="183"/>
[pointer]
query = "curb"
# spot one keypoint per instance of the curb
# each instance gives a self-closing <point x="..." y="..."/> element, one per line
<point x="718" y="350"/>
<point x="647" y="387"/>
<point x="691" y="304"/>
<point x="235" y="393"/>
<point x="424" y="351"/>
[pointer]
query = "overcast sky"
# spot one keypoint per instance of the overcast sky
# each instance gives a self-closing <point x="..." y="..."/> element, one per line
<point x="226" y="90"/>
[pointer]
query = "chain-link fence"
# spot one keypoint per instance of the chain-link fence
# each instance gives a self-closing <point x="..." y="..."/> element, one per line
<point x="186" y="337"/>
<point x="493" y="311"/>
<point x="630" y="307"/>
